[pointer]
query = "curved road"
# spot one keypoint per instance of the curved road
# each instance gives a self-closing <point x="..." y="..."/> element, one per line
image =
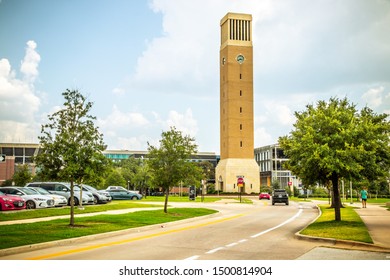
<point x="237" y="232"/>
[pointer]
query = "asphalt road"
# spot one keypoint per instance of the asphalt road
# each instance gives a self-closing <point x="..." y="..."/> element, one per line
<point x="256" y="231"/>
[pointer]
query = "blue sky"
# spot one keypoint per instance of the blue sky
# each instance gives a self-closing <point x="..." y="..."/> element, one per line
<point x="151" y="64"/>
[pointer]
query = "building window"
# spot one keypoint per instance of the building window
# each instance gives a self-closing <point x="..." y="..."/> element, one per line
<point x="241" y="144"/>
<point x="240" y="76"/>
<point x="240" y="126"/>
<point x="240" y="92"/>
<point x="240" y="109"/>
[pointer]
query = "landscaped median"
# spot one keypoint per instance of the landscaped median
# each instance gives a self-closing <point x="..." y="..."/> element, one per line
<point x="59" y="229"/>
<point x="351" y="227"/>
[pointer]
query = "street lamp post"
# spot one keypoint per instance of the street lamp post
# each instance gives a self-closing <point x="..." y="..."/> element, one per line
<point x="350" y="189"/>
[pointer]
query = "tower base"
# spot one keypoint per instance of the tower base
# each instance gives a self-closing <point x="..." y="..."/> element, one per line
<point x="229" y="170"/>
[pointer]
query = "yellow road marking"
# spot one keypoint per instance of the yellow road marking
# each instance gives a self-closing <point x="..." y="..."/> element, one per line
<point x="87" y="248"/>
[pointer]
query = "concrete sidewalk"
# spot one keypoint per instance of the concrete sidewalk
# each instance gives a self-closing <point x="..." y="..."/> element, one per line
<point x="377" y="219"/>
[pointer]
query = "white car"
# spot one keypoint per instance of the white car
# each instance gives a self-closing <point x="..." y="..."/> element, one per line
<point x="111" y="188"/>
<point x="120" y="188"/>
<point x="33" y="200"/>
<point x="59" y="200"/>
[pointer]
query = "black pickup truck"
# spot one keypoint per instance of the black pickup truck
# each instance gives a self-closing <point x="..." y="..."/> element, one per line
<point x="279" y="196"/>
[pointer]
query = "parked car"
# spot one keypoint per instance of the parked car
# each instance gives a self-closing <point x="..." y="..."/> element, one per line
<point x="11" y="202"/>
<point x="264" y="195"/>
<point x="279" y="196"/>
<point x="101" y="196"/>
<point x="124" y="194"/>
<point x="33" y="200"/>
<point x="110" y="188"/>
<point x="63" y="189"/>
<point x="59" y="200"/>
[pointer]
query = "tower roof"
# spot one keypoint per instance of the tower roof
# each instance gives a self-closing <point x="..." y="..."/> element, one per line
<point x="236" y="29"/>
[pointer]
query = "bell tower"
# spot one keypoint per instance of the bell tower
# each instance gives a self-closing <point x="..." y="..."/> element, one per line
<point x="237" y="167"/>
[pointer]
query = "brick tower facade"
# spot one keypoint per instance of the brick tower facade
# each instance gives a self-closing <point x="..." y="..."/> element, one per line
<point x="237" y="170"/>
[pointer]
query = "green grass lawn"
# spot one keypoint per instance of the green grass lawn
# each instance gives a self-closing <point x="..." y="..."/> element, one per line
<point x="351" y="226"/>
<point x="32" y="233"/>
<point x="59" y="211"/>
<point x="114" y="205"/>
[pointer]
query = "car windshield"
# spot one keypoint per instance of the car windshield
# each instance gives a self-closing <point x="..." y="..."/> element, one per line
<point x="41" y="191"/>
<point x="27" y="191"/>
<point x="1" y="193"/>
<point x="89" y="188"/>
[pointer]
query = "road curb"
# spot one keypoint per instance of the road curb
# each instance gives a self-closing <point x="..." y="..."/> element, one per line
<point x="345" y="244"/>
<point x="339" y="243"/>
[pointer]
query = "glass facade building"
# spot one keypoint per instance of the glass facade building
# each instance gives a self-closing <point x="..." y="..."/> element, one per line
<point x="271" y="161"/>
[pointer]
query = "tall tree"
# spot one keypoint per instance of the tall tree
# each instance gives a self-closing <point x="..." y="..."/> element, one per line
<point x="71" y="145"/>
<point x="170" y="162"/>
<point x="333" y="140"/>
<point x="22" y="175"/>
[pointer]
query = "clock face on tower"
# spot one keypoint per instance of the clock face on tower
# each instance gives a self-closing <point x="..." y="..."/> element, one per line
<point x="240" y="58"/>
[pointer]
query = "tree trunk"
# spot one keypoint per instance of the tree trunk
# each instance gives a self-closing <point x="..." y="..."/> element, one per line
<point x="336" y="202"/>
<point x="80" y="206"/>
<point x="71" y="222"/>
<point x="166" y="200"/>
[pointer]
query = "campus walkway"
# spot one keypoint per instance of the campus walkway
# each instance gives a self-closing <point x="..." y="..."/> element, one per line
<point x="377" y="220"/>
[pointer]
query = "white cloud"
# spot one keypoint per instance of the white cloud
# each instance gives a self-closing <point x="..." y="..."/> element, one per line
<point x="122" y="120"/>
<point x="183" y="122"/>
<point x="18" y="100"/>
<point x="118" y="91"/>
<point x="373" y="97"/>
<point x="262" y="137"/>
<point x="29" y="66"/>
<point x="124" y="130"/>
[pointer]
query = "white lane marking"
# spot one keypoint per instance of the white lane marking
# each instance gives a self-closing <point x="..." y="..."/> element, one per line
<point x="253" y="236"/>
<point x="280" y="225"/>
<point x="215" y="250"/>
<point x="192" y="258"/>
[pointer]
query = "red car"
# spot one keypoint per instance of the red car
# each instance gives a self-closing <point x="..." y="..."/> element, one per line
<point x="264" y="195"/>
<point x="11" y="202"/>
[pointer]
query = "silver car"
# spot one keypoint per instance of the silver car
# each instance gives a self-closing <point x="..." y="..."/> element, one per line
<point x="100" y="196"/>
<point x="64" y="190"/>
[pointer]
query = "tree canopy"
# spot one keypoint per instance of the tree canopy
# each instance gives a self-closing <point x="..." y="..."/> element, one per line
<point x="333" y="140"/>
<point x="170" y="162"/>
<point x="71" y="145"/>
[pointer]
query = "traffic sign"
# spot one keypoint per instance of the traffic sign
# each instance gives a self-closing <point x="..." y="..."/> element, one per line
<point x="240" y="182"/>
<point x="2" y="158"/>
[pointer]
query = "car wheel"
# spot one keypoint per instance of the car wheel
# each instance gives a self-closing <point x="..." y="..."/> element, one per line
<point x="30" y="204"/>
<point x="75" y="199"/>
<point x="287" y="203"/>
<point x="134" y="198"/>
<point x="95" y="200"/>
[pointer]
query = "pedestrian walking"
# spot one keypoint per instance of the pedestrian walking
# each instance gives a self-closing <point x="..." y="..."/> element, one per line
<point x="363" y="195"/>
